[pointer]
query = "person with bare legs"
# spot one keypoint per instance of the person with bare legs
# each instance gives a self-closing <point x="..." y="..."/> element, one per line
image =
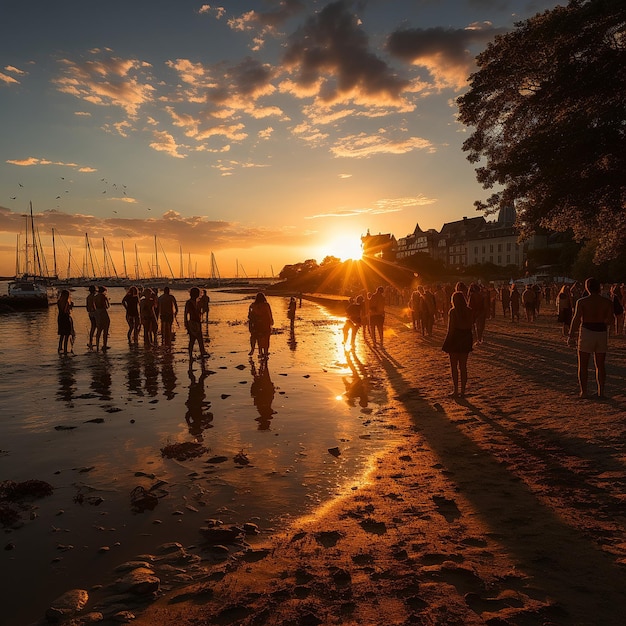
<point x="193" y="325"/>
<point x="91" y="312"/>
<point x="64" y="320"/>
<point x="377" y="314"/>
<point x="168" y="310"/>
<point x="261" y="321"/>
<point x="594" y="316"/>
<point x="458" y="341"/>
<point x="102" y="304"/>
<point x="130" y="302"/>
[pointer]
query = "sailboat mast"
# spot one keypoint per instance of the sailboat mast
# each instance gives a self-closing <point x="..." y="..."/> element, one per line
<point x="54" y="255"/>
<point x="124" y="259"/>
<point x="156" y="257"/>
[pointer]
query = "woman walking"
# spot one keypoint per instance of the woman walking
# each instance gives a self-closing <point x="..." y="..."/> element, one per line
<point x="458" y="341"/>
<point x="260" y="321"/>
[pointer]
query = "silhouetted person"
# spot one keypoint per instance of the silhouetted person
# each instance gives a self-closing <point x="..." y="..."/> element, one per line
<point x="91" y="312"/>
<point x="130" y="302"/>
<point x="377" y="314"/>
<point x="65" y="323"/>
<point x="260" y="321"/>
<point x="193" y="325"/>
<point x="593" y="316"/>
<point x="458" y="341"/>
<point x="101" y="304"/>
<point x="168" y="310"/>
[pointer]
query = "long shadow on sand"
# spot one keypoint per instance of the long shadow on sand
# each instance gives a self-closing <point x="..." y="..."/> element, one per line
<point x="563" y="563"/>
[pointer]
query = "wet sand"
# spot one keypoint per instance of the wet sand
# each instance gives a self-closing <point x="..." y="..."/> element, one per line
<point x="93" y="426"/>
<point x="506" y="507"/>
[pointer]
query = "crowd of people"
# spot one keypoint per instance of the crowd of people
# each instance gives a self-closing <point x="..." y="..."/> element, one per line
<point x="588" y="313"/>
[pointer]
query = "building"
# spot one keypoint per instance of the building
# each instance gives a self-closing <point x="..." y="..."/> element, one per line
<point x="452" y="247"/>
<point x="418" y="242"/>
<point x="497" y="242"/>
<point x="381" y="246"/>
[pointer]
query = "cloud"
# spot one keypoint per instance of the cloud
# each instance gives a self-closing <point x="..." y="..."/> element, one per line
<point x="8" y="80"/>
<point x="164" y="142"/>
<point x="330" y="55"/>
<point x="32" y="161"/>
<point x="11" y="80"/>
<point x="196" y="234"/>
<point x="380" y="207"/>
<point x="365" y="145"/>
<point x="265" y="23"/>
<point x="446" y="53"/>
<point x="207" y="9"/>
<point x="107" y="80"/>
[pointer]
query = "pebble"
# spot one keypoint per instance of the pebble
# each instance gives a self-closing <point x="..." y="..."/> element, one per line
<point x="67" y="605"/>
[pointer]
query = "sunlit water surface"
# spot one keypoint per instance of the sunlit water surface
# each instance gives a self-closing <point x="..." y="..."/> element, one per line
<point x="311" y="398"/>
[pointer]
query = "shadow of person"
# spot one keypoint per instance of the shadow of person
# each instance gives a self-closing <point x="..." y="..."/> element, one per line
<point x="357" y="387"/>
<point x="197" y="417"/>
<point x="262" y="391"/>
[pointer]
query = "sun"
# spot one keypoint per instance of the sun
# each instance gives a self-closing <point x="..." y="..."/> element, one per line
<point x="344" y="247"/>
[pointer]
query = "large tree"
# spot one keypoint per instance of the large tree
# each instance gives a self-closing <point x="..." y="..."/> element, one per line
<point x="548" y="110"/>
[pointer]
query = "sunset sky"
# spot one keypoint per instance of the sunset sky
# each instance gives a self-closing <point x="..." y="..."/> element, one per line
<point x="264" y="132"/>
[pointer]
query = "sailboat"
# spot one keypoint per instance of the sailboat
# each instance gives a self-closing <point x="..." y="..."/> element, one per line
<point x="32" y="288"/>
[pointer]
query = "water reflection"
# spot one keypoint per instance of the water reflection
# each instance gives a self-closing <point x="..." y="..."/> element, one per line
<point x="101" y="375"/>
<point x="67" y="381"/>
<point x="262" y="391"/>
<point x="133" y="372"/>
<point x="151" y="372"/>
<point x="357" y="387"/>
<point x="292" y="339"/>
<point x="198" y="418"/>
<point x="168" y="376"/>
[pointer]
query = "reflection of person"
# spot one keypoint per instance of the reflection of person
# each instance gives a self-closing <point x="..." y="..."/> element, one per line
<point x="358" y="386"/>
<point x="260" y="322"/>
<point x="262" y="390"/>
<point x="193" y="325"/>
<point x="91" y="312"/>
<point x="458" y="341"/>
<point x="197" y="418"/>
<point x="168" y="310"/>
<point x="594" y="316"/>
<point x="101" y="304"/>
<point x="130" y="302"/>
<point x="64" y="320"/>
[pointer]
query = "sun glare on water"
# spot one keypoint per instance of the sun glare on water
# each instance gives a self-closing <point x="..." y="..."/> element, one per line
<point x="344" y="247"/>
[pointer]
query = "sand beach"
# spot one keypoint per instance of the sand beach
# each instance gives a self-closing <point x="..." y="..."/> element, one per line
<point x="506" y="507"/>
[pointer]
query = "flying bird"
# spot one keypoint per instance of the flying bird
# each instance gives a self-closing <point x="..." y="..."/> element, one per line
<point x="20" y="184"/>
<point x="58" y="197"/>
<point x="13" y="197"/>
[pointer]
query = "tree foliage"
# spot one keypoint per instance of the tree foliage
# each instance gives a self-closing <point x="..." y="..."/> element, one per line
<point x="548" y="108"/>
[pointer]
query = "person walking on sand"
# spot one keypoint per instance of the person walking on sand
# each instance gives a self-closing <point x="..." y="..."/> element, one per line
<point x="618" y="308"/>
<point x="564" y="308"/>
<point x="529" y="300"/>
<point x="65" y="323"/>
<point x="458" y="341"/>
<point x="377" y="314"/>
<point x="515" y="301"/>
<point x="193" y="325"/>
<point x="130" y="302"/>
<point x="354" y="311"/>
<point x="102" y="304"/>
<point x="260" y="322"/>
<point x="168" y="310"/>
<point x="91" y="313"/>
<point x="593" y="316"/>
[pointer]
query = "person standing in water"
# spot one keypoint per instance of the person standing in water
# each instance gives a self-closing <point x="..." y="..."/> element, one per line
<point x="101" y="303"/>
<point x="193" y="325"/>
<point x="168" y="310"/>
<point x="261" y="321"/>
<point x="64" y="320"/>
<point x="91" y="312"/>
<point x="130" y="302"/>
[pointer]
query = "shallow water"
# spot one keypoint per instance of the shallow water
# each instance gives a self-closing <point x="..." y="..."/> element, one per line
<point x="311" y="397"/>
